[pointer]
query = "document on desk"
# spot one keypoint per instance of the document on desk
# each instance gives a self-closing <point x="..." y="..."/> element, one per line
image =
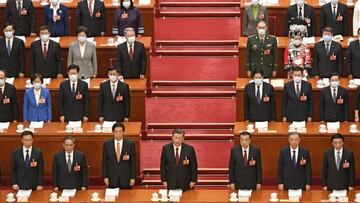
<point x="23" y="193"/>
<point x="68" y="193"/>
<point x="36" y="124"/>
<point x="108" y="124"/>
<point x="75" y="124"/>
<point x="46" y="81"/>
<point x="4" y="125"/>
<point x="112" y="192"/>
<point x="175" y="193"/>
<point x="295" y="193"/>
<point x="244" y="193"/>
<point x="10" y="80"/>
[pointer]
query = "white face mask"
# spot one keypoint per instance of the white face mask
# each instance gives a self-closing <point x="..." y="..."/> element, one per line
<point x="81" y="38"/>
<point x="297" y="79"/>
<point x="297" y="42"/>
<point x="2" y="82"/>
<point x="37" y="85"/>
<point x="113" y="78"/>
<point x="73" y="77"/>
<point x="334" y="84"/>
<point x="300" y="3"/>
<point x="261" y="31"/>
<point x="254" y="2"/>
<point x="131" y="39"/>
<point x="8" y="34"/>
<point x="126" y="4"/>
<point x="258" y="81"/>
<point x="54" y="2"/>
<point x="334" y="2"/>
<point x="44" y="38"/>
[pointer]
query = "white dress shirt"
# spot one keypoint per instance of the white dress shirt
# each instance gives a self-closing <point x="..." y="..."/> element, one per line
<point x="128" y="46"/>
<point x="178" y="151"/>
<point x="261" y="89"/>
<point x="47" y="45"/>
<point x="336" y="91"/>
<point x="92" y="5"/>
<point x="336" y="154"/>
<point x="336" y="8"/>
<point x="82" y="49"/>
<point x="121" y="144"/>
<point x="37" y="95"/>
<point x="3" y="88"/>
<point x="296" y="153"/>
<point x="55" y="9"/>
<point x="247" y="152"/>
<point x="302" y="11"/>
<point x="24" y="152"/>
<point x="295" y="83"/>
<point x="71" y="156"/>
<point x="71" y="85"/>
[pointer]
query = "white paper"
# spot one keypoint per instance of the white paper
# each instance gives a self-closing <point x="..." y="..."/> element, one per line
<point x="277" y="82"/>
<point x="175" y="193"/>
<point x="75" y="124"/>
<point x="339" y="193"/>
<point x="23" y="38"/>
<point x="46" y="81"/>
<point x="108" y="124"/>
<point x="39" y="124"/>
<point x="68" y="193"/>
<point x="163" y="192"/>
<point x="23" y="193"/>
<point x="295" y="193"/>
<point x="244" y="193"/>
<point x="112" y="192"/>
<point x="309" y="40"/>
<point x="121" y="40"/>
<point x="10" y="80"/>
<point x="87" y="81"/>
<point x="333" y="125"/>
<point x="300" y="124"/>
<point x="144" y="2"/>
<point x="4" y="125"/>
<point x="55" y="39"/>
<point x="357" y="82"/>
<point x="263" y="124"/>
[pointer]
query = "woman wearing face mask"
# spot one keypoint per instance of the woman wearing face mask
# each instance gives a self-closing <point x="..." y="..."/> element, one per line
<point x="37" y="101"/>
<point x="56" y="18"/>
<point x="252" y="15"/>
<point x="83" y="54"/>
<point x="297" y="54"/>
<point x="127" y="16"/>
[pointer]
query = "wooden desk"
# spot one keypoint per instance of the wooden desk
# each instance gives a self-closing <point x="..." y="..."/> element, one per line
<point x="137" y="93"/>
<point x="271" y="142"/>
<point x="146" y="12"/>
<point x="283" y="42"/>
<point x="240" y="86"/>
<point x="278" y="12"/>
<point x="49" y="139"/>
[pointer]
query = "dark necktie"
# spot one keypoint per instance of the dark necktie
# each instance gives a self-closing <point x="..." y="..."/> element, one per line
<point x="73" y="89"/>
<point x="45" y="51"/>
<point x="245" y="159"/>
<point x="1" y="92"/>
<point x="338" y="159"/>
<point x="294" y="158"/>
<point x="334" y="12"/>
<point x="19" y="7"/>
<point x="27" y="159"/>
<point x="327" y="48"/>
<point x="300" y="12"/>
<point x="177" y="157"/>
<point x="131" y="52"/>
<point x="297" y="90"/>
<point x="9" y="47"/>
<point x="258" y="99"/>
<point x="334" y="95"/>
<point x="113" y="91"/>
<point x="69" y="163"/>
<point x="90" y="8"/>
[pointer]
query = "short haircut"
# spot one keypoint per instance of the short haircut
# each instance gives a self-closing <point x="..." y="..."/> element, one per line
<point x="112" y="68"/>
<point x="257" y="71"/>
<point x="294" y="133"/>
<point x="128" y="29"/>
<point x="69" y="137"/>
<point x="8" y="24"/>
<point x="178" y="131"/>
<point x="26" y="132"/>
<point x="261" y="21"/>
<point x="4" y="71"/>
<point x="297" y="68"/>
<point x="44" y="27"/>
<point x="73" y="66"/>
<point x="118" y="125"/>
<point x="35" y="76"/>
<point x="337" y="136"/>
<point x="334" y="74"/>
<point x="245" y="133"/>
<point x="328" y="29"/>
<point x="82" y="29"/>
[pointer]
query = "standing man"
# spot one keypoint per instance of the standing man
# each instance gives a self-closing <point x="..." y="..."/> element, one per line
<point x="335" y="15"/>
<point x="294" y="166"/>
<point x="27" y="165"/>
<point x="245" y="171"/>
<point x="338" y="166"/>
<point x="261" y="52"/>
<point x="354" y="57"/>
<point x="119" y="160"/>
<point x="8" y="100"/>
<point x="21" y="14"/>
<point x="178" y="165"/>
<point x="69" y="168"/>
<point x="91" y="14"/>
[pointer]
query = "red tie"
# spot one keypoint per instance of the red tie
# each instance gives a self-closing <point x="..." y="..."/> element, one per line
<point x="131" y="52"/>
<point x="177" y="157"/>
<point x="245" y="158"/>
<point x="45" y="51"/>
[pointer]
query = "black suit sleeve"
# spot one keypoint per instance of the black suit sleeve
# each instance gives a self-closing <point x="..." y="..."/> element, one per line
<point x="143" y="60"/>
<point x="346" y="20"/>
<point x="133" y="161"/>
<point x="284" y="102"/>
<point x="259" y="168"/>
<point x="313" y="22"/>
<point x="13" y="169"/>
<point x="273" y="106"/>
<point x="322" y="105"/>
<point x="119" y="60"/>
<point x="287" y="20"/>
<point x="193" y="165"/>
<point x="310" y="102"/>
<point x="61" y="100"/>
<point x="349" y="58"/>
<point x="357" y="99"/>
<point x="103" y="17"/>
<point x="104" y="162"/>
<point x="33" y="17"/>
<point x="315" y="61"/>
<point x="352" y="170"/>
<point x="246" y="103"/>
<point x="84" y="168"/>
<point x="163" y="165"/>
<point x="14" y="103"/>
<point x="58" y="59"/>
<point x="7" y="12"/>
<point x="22" y="56"/>
<point x="78" y="15"/>
<point x="308" y="171"/>
<point x="324" y="169"/>
<point x="87" y="100"/>
<point x="101" y="100"/>
<point x="41" y="170"/>
<point x="32" y="58"/>
<point x="346" y="107"/>
<point x="322" y="18"/>
<point x="340" y="61"/>
<point x="232" y="167"/>
<point x="127" y="102"/>
<point x="280" y="175"/>
<point x="55" y="172"/>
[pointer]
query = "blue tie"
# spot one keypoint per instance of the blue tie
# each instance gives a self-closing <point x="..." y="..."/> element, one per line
<point x="258" y="99"/>
<point x="27" y="159"/>
<point x="294" y="158"/>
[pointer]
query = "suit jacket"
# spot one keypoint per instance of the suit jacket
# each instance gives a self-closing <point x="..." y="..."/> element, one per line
<point x="324" y="64"/>
<point x="338" y="179"/>
<point x="87" y="63"/>
<point x="340" y="23"/>
<point x="74" y="107"/>
<point x="178" y="176"/>
<point x="8" y="104"/>
<point x="308" y="13"/>
<point x="27" y="177"/>
<point x="114" y="109"/>
<point x="119" y="173"/>
<point x="331" y="111"/>
<point x="296" y="108"/>
<point x="131" y="68"/>
<point x="13" y="63"/>
<point x="23" y="24"/>
<point x="48" y="67"/>
<point x="34" y="111"/>
<point x="95" y="23"/>
<point x="250" y="22"/>
<point x="76" y="178"/>
<point x="245" y="176"/>
<point x="357" y="99"/>
<point x="60" y="27"/>
<point x="294" y="177"/>
<point x="354" y="58"/>
<point x="265" y="111"/>
<point x="132" y="19"/>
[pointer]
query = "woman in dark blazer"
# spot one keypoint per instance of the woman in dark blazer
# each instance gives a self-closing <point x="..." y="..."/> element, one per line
<point x="37" y="101"/>
<point x="127" y="16"/>
<point x="56" y="18"/>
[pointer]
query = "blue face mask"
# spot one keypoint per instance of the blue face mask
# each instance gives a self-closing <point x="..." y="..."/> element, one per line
<point x="126" y="4"/>
<point x="327" y="38"/>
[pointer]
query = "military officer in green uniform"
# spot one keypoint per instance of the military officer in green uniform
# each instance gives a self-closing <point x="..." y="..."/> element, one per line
<point x="261" y="52"/>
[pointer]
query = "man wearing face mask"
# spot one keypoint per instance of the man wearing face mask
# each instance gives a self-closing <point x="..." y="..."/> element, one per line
<point x="335" y="15"/>
<point x="301" y="14"/>
<point x="74" y="98"/>
<point x="131" y="58"/>
<point x="334" y="105"/>
<point x="114" y="98"/>
<point x="92" y="14"/>
<point x="8" y="100"/>
<point x="261" y="52"/>
<point x="56" y="18"/>
<point x="259" y="99"/>
<point x="328" y="56"/>
<point x="297" y="99"/>
<point x="127" y="16"/>
<point x="45" y="56"/>
<point x="252" y="15"/>
<point x="354" y="57"/>
<point x="12" y="52"/>
<point x="21" y="14"/>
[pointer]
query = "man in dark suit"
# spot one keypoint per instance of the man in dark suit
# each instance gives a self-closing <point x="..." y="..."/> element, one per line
<point x="259" y="100"/>
<point x="91" y="14"/>
<point x="354" y="58"/>
<point x="338" y="171"/>
<point x="178" y="165"/>
<point x="69" y="168"/>
<point x="74" y="97"/>
<point x="334" y="102"/>
<point x="27" y="165"/>
<point x="297" y="99"/>
<point x="301" y="14"/>
<point x="8" y="100"/>
<point x="294" y="165"/>
<point x="245" y="171"/>
<point x="131" y="57"/>
<point x="21" y="14"/>
<point x="328" y="56"/>
<point x="335" y="15"/>
<point x="119" y="160"/>
<point x="114" y="98"/>
<point x="45" y="57"/>
<point x="12" y="52"/>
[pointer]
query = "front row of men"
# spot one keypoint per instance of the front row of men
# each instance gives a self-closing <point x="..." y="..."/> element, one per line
<point x="179" y="164"/>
